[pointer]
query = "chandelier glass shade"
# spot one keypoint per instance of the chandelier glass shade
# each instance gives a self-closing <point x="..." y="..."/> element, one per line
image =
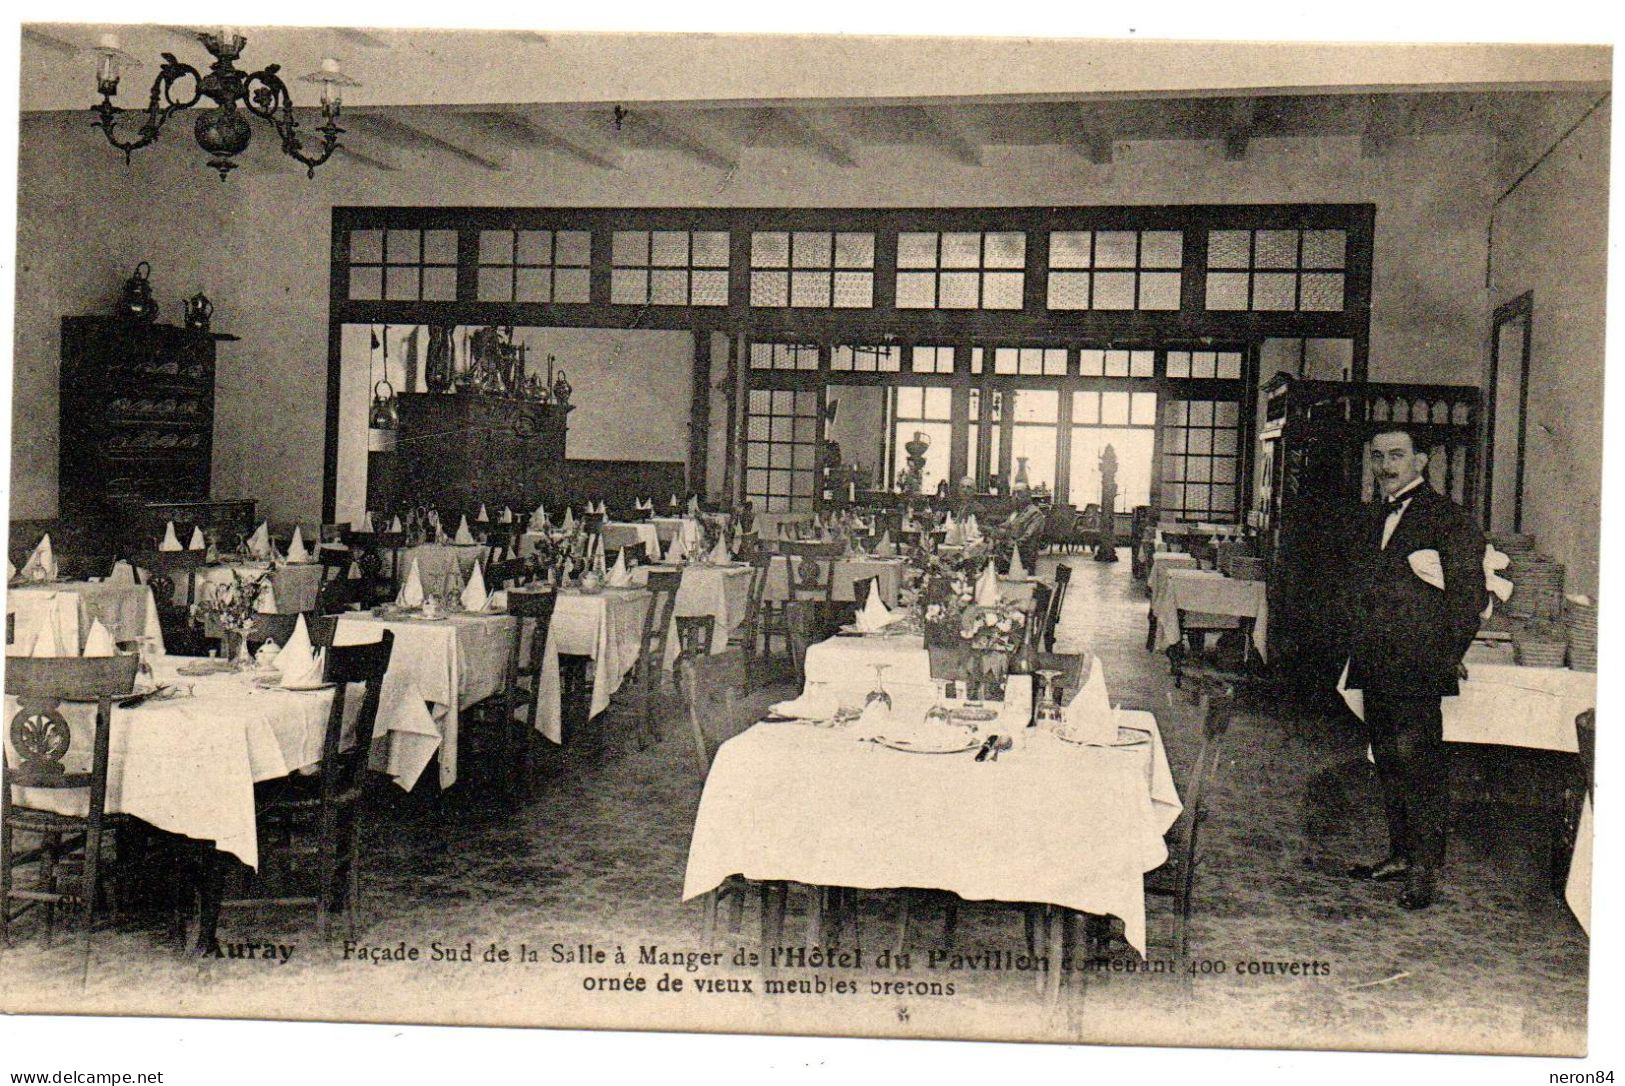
<point x="223" y="131"/>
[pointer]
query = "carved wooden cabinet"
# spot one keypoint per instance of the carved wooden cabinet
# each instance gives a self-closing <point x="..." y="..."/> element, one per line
<point x="456" y="451"/>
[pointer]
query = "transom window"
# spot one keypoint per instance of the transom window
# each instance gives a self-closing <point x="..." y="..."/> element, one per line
<point x="1276" y="270"/>
<point x="784" y="356"/>
<point x="932" y="360"/>
<point x="812" y="269"/>
<point x="1030" y="361"/>
<point x="535" y="266"/>
<point x="1115" y="269"/>
<point x="403" y="265"/>
<point x="1220" y="365"/>
<point x="669" y="267"/>
<point x="866" y="359"/>
<point x="961" y="270"/>
<point x="1093" y="362"/>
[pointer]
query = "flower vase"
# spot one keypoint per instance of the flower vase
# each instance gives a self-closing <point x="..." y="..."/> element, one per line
<point x="234" y="649"/>
<point x="992" y="667"/>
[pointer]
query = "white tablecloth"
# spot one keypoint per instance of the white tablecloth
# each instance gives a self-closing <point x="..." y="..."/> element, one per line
<point x="1048" y="822"/>
<point x="666" y="528"/>
<point x="847" y="570"/>
<point x="449" y="664"/>
<point x="128" y="611"/>
<point x="293" y="588"/>
<point x="1210" y="594"/>
<point x="618" y="534"/>
<point x="719" y="591"/>
<point x="606" y="626"/>
<point x="189" y="765"/>
<point x="436" y="561"/>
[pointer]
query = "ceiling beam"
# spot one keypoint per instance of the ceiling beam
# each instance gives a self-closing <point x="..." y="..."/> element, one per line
<point x="461" y="144"/>
<point x="1388" y="119"/>
<point x="51" y="42"/>
<point x="948" y="133"/>
<point x="1239" y="128"/>
<point x="822" y="132"/>
<point x="559" y="134"/>
<point x="692" y="134"/>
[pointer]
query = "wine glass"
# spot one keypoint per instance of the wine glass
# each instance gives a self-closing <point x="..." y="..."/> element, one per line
<point x="879" y="692"/>
<point x="1047" y="703"/>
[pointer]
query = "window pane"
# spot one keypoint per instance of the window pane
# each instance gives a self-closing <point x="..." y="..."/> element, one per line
<point x="495" y="285"/>
<point x="1116" y="363"/>
<point x="939" y="403"/>
<point x="1201" y="412"/>
<point x="439" y="284"/>
<point x="1086" y="407"/>
<point x="534" y="285"/>
<point x="572" y="248"/>
<point x="1227" y="413"/>
<point x="1323" y="248"/>
<point x="1159" y="290"/>
<point x="1114" y="249"/>
<point x="910" y="400"/>
<point x="1006" y="250"/>
<point x="1203" y="364"/>
<point x="1274" y="291"/>
<point x="854" y="250"/>
<point x="916" y="250"/>
<point x="668" y="287"/>
<point x="366" y="284"/>
<point x="628" y="287"/>
<point x="957" y="290"/>
<point x="366" y="247"/>
<point x="669" y="248"/>
<point x="1142" y="364"/>
<point x="496" y="246"/>
<point x="1069" y="290"/>
<point x="1055" y="362"/>
<point x="1162" y="248"/>
<point x="630" y="247"/>
<point x="916" y="290"/>
<point x="1179" y="364"/>
<point x="810" y="249"/>
<point x="1227" y="249"/>
<point x="1114" y="408"/>
<point x="1091" y="362"/>
<point x="1069" y="249"/>
<point x="1002" y="290"/>
<point x="1037" y="405"/>
<point x="1322" y="293"/>
<point x="1275" y="249"/>
<point x="960" y="250"/>
<point x="1229" y="366"/>
<point x="1227" y="290"/>
<point x="401" y="247"/>
<point x="710" y="249"/>
<point x="709" y="288"/>
<point x="769" y="288"/>
<point x="401" y="284"/>
<point x="854" y="289"/>
<point x="809" y="289"/>
<point x="840" y="358"/>
<point x="572" y="285"/>
<point x="535" y="247"/>
<point x="1143" y="409"/>
<point x="1114" y="290"/>
<point x="1030" y="361"/>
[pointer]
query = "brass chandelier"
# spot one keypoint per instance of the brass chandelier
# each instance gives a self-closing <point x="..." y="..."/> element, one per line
<point x="223" y="132"/>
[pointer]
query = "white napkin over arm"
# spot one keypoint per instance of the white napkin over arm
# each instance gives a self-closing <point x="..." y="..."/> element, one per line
<point x="1425" y="564"/>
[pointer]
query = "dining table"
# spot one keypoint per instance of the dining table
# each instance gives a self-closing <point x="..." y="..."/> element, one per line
<point x="438" y="562"/>
<point x="1212" y="598"/>
<point x="618" y="534"/>
<point x="128" y="610"/>
<point x="438" y="668"/>
<point x="1050" y="822"/>
<point x="294" y="586"/>
<point x="848" y="570"/>
<point x="721" y="591"/>
<point x="604" y="627"/>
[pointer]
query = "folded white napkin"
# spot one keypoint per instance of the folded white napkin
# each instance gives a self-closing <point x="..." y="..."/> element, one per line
<point x="675" y="504"/>
<point x="498" y="600"/>
<point x="365" y="524"/>
<point x="1425" y="564"/>
<point x="720" y="554"/>
<point x="646" y="503"/>
<point x="1089" y="717"/>
<point x="618" y="576"/>
<point x="170" y="542"/>
<point x="395" y="524"/>
<point x="41" y="564"/>
<point x="506" y="516"/>
<point x="98" y="642"/>
<point x="464" y="536"/>
<point x="1018" y="569"/>
<point x="538" y="519"/>
<point x="296" y="547"/>
<point x="481" y="518"/>
<point x="874" y="617"/>
<point x="811" y="705"/>
<point x="693" y="507"/>
<point x="677" y="550"/>
<point x="411" y="594"/>
<point x="569" y="522"/>
<point x="693" y="533"/>
<point x="972" y="531"/>
<point x="123" y="574"/>
<point x="475" y="597"/>
<point x="885" y="548"/>
<point x="987" y="587"/>
<point x="1494" y="562"/>
<point x="266" y="604"/>
<point x="299" y="663"/>
<point x="259" y="544"/>
<point x="197" y="542"/>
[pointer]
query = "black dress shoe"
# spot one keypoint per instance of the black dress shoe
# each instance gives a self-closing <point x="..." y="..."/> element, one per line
<point x="1418" y="892"/>
<point x="1394" y="867"/>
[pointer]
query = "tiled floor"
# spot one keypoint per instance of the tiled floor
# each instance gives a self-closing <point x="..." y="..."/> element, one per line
<point x="597" y="858"/>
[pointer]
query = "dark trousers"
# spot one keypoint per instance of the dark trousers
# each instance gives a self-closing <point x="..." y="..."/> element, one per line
<point x="1407" y="741"/>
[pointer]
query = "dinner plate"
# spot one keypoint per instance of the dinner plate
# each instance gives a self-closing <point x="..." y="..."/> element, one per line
<point x="1127" y="739"/>
<point x="947" y="745"/>
<point x="301" y="687"/>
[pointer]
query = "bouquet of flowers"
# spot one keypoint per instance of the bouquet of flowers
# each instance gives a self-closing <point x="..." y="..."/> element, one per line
<point x="232" y="606"/>
<point x="996" y="630"/>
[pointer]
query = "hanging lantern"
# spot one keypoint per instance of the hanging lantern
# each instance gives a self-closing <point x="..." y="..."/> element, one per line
<point x="384" y="419"/>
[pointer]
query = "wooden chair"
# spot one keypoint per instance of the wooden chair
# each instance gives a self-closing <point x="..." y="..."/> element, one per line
<point x="171" y="576"/>
<point x="535" y="608"/>
<point x="633" y="554"/>
<point x="381" y="565"/>
<point x="508" y="574"/>
<point x="1173" y="883"/>
<point x="318" y="816"/>
<point x="755" y="632"/>
<point x="337" y="591"/>
<point x="696" y="634"/>
<point x="68" y="858"/>
<point x="811" y="583"/>
<point x="1057" y="601"/>
<point x="643" y="684"/>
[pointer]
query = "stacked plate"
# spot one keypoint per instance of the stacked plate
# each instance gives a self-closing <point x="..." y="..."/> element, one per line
<point x="1511" y="544"/>
<point x="1539" y="644"/>
<point x="1581" y="621"/>
<point x="1537" y="587"/>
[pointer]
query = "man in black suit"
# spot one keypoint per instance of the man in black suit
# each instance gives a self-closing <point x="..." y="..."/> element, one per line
<point x="1414" y="595"/>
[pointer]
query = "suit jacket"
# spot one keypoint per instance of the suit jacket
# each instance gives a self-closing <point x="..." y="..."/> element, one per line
<point x="1405" y="636"/>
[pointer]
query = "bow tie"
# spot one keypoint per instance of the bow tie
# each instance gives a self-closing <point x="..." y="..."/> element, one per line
<point x="1393" y="505"/>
